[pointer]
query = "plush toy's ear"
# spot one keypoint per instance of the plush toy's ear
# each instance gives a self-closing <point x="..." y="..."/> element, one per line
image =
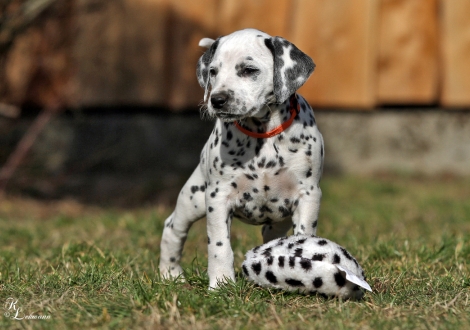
<point x="292" y="67"/>
<point x="202" y="70"/>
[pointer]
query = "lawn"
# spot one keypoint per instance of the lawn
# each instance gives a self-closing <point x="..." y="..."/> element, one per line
<point x="81" y="266"/>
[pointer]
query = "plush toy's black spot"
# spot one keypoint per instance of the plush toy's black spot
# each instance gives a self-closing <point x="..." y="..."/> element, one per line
<point x="322" y="242"/>
<point x="266" y="188"/>
<point x="273" y="200"/>
<point x="298" y="252"/>
<point x="317" y="282"/>
<point x="270" y="260"/>
<point x="294" y="140"/>
<point x="293" y="282"/>
<point x="318" y="257"/>
<point x="291" y="262"/>
<point x="305" y="264"/>
<point x="339" y="279"/>
<point x="245" y="270"/>
<point x="267" y="252"/>
<point x="314" y="224"/>
<point x="256" y="268"/>
<point x="271" y="277"/>
<point x="194" y="189"/>
<point x="336" y="259"/>
<point x="280" y="260"/>
<point x="208" y="240"/>
<point x="301" y="241"/>
<point x="255" y="190"/>
<point x="229" y="135"/>
<point x="210" y="209"/>
<point x="219" y="244"/>
<point x="172" y="259"/>
<point x="234" y="185"/>
<point x="202" y="188"/>
<point x="346" y="253"/>
<point x="290" y="245"/>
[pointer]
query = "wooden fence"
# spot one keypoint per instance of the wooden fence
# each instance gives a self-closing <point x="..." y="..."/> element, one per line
<point x="368" y="52"/>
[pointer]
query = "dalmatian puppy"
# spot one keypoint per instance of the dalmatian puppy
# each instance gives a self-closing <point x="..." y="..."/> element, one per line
<point x="263" y="161"/>
<point x="307" y="264"/>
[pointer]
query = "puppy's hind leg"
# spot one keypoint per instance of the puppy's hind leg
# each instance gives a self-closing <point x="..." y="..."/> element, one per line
<point x="190" y="207"/>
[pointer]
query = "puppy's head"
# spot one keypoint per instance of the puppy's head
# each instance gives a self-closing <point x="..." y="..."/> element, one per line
<point x="244" y="71"/>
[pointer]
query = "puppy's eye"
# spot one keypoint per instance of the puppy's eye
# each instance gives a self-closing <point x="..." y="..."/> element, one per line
<point x="249" y="71"/>
<point x="213" y="72"/>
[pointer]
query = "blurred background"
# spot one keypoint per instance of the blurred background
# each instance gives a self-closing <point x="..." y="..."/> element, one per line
<point x="99" y="99"/>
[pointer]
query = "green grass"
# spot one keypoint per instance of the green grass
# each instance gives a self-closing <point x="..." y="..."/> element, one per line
<point x="90" y="267"/>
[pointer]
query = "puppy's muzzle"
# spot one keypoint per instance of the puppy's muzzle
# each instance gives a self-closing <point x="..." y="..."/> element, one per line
<point x="218" y="100"/>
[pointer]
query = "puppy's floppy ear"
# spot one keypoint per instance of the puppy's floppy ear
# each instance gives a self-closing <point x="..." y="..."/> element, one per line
<point x="202" y="70"/>
<point x="206" y="42"/>
<point x="292" y="67"/>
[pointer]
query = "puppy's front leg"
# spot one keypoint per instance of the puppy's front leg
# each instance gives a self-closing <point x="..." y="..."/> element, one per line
<point x="220" y="254"/>
<point x="305" y="217"/>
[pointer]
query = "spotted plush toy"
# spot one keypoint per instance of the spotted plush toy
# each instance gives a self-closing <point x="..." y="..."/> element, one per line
<point x="309" y="264"/>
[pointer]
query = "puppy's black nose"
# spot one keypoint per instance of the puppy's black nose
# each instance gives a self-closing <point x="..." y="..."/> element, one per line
<point x="219" y="99"/>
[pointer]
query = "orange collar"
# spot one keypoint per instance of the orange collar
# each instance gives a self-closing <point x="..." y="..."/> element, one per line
<point x="294" y="110"/>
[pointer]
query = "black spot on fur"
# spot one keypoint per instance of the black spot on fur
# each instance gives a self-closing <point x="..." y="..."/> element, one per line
<point x="256" y="268"/>
<point x="318" y="257"/>
<point x="194" y="189"/>
<point x="295" y="283"/>
<point x="305" y="264"/>
<point x="267" y="252"/>
<point x="249" y="177"/>
<point x="309" y="173"/>
<point x="336" y="259"/>
<point x="298" y="252"/>
<point x="234" y="185"/>
<point x="245" y="270"/>
<point x="210" y="209"/>
<point x="339" y="279"/>
<point x="219" y="244"/>
<point x="322" y="242"/>
<point x="346" y="253"/>
<point x="271" y="277"/>
<point x="280" y="260"/>
<point x="247" y="197"/>
<point x="291" y="262"/>
<point x="270" y="260"/>
<point x="317" y="282"/>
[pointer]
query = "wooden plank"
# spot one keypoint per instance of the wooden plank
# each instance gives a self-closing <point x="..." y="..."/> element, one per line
<point x="456" y="53"/>
<point x="270" y="16"/>
<point x="119" y="52"/>
<point x="407" y="52"/>
<point x="189" y="22"/>
<point x="339" y="36"/>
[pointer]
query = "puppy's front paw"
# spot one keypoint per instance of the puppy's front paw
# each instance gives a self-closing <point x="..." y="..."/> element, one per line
<point x="171" y="271"/>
